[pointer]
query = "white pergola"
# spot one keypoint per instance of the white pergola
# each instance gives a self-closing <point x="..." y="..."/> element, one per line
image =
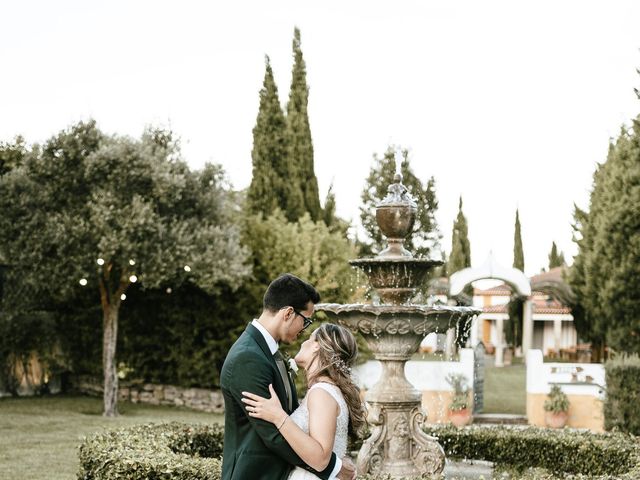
<point x="515" y="278"/>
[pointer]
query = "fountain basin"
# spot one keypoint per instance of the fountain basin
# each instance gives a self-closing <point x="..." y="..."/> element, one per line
<point x="396" y="278"/>
<point x="394" y="332"/>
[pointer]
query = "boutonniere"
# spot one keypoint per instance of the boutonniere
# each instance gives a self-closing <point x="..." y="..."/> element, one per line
<point x="292" y="366"/>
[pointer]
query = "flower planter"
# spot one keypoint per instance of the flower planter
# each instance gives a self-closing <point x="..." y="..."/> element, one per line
<point x="460" y="418"/>
<point x="556" y="420"/>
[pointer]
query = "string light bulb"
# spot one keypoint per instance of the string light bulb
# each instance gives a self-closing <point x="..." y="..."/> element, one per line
<point x="100" y="261"/>
<point x="83" y="282"/>
<point x="132" y="263"/>
<point x="133" y="279"/>
<point x="123" y="297"/>
<point x="187" y="268"/>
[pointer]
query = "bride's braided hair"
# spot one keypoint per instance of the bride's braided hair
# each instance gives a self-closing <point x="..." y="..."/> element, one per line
<point x="338" y="350"/>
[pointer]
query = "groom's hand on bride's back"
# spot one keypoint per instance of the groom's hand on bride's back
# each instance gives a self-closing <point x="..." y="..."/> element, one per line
<point x="348" y="470"/>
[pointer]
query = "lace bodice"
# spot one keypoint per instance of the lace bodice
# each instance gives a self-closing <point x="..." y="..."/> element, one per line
<point x="301" y="417"/>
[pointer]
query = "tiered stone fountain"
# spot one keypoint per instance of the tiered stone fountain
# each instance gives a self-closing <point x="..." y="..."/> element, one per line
<point x="394" y="330"/>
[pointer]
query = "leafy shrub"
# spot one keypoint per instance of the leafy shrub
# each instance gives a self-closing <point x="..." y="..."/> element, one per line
<point x="165" y="451"/>
<point x="562" y="452"/>
<point x="557" y="401"/>
<point x="621" y="410"/>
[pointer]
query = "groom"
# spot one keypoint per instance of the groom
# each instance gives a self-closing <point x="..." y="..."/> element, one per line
<point x="253" y="448"/>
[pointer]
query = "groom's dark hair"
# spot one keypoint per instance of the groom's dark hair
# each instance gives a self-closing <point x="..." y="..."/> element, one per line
<point x="289" y="291"/>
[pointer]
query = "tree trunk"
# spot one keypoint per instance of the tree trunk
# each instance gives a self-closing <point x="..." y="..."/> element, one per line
<point x="110" y="336"/>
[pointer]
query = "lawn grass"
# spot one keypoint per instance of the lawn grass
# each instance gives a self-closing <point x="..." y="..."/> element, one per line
<point x="39" y="436"/>
<point x="505" y="389"/>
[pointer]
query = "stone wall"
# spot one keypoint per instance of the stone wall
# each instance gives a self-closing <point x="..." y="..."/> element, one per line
<point x="153" y="394"/>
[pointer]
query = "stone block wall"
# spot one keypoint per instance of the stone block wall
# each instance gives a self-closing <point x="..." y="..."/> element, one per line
<point x="154" y="394"/>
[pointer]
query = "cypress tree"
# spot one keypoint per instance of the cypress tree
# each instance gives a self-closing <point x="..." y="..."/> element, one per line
<point x="605" y="275"/>
<point x="273" y="185"/>
<point x="585" y="324"/>
<point x="518" y="253"/>
<point x="299" y="133"/>
<point x="329" y="212"/>
<point x="425" y="235"/>
<point x="460" y="257"/>
<point x="514" y="327"/>
<point x="556" y="258"/>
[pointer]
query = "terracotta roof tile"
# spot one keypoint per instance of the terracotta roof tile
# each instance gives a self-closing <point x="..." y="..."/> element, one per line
<point x="499" y="290"/>
<point x="539" y="309"/>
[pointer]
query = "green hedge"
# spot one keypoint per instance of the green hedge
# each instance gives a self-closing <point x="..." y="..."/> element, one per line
<point x="154" y="452"/>
<point x="170" y="451"/>
<point x="621" y="410"/>
<point x="192" y="452"/>
<point x="565" y="453"/>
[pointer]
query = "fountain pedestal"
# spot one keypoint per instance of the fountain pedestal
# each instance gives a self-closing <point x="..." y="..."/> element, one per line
<point x="398" y="444"/>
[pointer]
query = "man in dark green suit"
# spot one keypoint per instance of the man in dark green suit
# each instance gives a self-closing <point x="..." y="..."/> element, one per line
<point x="253" y="448"/>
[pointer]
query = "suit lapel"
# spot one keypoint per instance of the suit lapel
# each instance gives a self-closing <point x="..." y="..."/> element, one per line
<point x="278" y="386"/>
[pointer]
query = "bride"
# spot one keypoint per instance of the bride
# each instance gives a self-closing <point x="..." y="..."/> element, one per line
<point x="332" y="409"/>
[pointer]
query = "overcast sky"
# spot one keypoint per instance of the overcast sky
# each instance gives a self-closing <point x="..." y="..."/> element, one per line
<point x="508" y="103"/>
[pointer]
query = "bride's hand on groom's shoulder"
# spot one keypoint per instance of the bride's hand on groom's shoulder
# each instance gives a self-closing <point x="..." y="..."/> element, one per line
<point x="268" y="409"/>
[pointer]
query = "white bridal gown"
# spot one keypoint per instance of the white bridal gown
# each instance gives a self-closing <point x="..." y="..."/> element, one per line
<point x="301" y="418"/>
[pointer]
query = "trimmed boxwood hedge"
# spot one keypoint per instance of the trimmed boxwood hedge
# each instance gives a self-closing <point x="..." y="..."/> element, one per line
<point x="192" y="452"/>
<point x="154" y="452"/>
<point x="565" y="453"/>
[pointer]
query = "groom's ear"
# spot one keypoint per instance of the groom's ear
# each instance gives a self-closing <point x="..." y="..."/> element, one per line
<point x="285" y="314"/>
<point x="289" y="314"/>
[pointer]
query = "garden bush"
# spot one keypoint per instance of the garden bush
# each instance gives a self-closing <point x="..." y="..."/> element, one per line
<point x="171" y="451"/>
<point x="154" y="452"/>
<point x="193" y="452"/>
<point x="621" y="410"/>
<point x="565" y="453"/>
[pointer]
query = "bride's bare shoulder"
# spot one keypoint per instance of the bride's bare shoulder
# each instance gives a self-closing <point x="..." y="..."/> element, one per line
<point x="320" y="400"/>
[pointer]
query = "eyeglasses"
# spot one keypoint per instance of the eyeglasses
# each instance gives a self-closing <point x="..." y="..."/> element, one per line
<point x="306" y="321"/>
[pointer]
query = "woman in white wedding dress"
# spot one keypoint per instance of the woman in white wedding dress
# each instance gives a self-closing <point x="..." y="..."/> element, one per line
<point x="332" y="408"/>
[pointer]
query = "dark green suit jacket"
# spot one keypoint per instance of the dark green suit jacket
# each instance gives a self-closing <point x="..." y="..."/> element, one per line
<point x="253" y="448"/>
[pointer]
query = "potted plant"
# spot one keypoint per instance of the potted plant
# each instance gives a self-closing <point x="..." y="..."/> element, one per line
<point x="459" y="408"/>
<point x="556" y="407"/>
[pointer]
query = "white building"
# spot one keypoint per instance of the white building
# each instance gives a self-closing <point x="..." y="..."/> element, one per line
<point x="553" y="330"/>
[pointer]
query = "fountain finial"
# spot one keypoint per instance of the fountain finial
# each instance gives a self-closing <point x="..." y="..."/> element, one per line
<point x="398" y="159"/>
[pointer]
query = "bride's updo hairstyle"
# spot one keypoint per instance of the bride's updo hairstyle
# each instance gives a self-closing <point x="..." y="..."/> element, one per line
<point x="336" y="355"/>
